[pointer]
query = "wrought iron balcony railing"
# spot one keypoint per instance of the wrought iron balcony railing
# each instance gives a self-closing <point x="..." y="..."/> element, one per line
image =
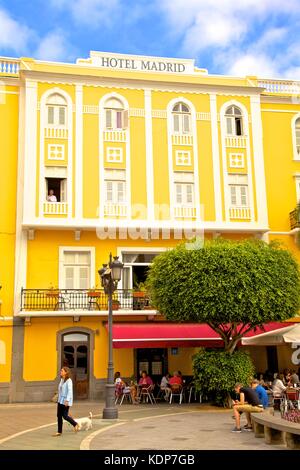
<point x="82" y="299"/>
<point x="295" y="218"/>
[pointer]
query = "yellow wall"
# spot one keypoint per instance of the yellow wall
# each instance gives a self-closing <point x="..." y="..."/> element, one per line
<point x="182" y="361"/>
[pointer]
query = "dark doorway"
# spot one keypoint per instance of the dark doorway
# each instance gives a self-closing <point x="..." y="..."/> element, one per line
<point x="154" y="361"/>
<point x="75" y="354"/>
<point x="272" y="358"/>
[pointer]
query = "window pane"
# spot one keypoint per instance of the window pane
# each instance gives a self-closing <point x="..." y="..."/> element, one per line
<point x="243" y="195"/>
<point x="119" y="119"/>
<point x="233" y="195"/>
<point x="109" y="191"/>
<point x="189" y="194"/>
<point x="108" y="118"/>
<point x="176" y="122"/>
<point x="69" y="258"/>
<point x="186" y="123"/>
<point x="69" y="277"/>
<point x="84" y="277"/>
<point x="184" y="108"/>
<point x="84" y="258"/>
<point x="50" y="115"/>
<point x="229" y="125"/>
<point x="178" y="193"/>
<point x="62" y="116"/>
<point x="236" y="111"/>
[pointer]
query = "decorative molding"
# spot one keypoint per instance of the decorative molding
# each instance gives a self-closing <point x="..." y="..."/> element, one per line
<point x="136" y="112"/>
<point x="149" y="153"/>
<point x="203" y="116"/>
<point x="216" y="156"/>
<point x="159" y="113"/>
<point x="90" y="109"/>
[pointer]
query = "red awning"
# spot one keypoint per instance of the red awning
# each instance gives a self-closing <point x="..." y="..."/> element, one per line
<point x="166" y="335"/>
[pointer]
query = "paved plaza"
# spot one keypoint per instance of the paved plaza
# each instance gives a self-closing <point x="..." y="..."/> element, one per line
<point x="141" y="427"/>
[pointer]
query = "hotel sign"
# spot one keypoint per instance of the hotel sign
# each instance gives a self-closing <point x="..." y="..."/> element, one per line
<point x="139" y="63"/>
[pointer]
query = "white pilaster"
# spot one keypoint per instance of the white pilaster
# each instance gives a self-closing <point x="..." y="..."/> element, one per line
<point x="149" y="154"/>
<point x="78" y="153"/>
<point x="259" y="169"/>
<point x="216" y="156"/>
<point x="30" y="156"/>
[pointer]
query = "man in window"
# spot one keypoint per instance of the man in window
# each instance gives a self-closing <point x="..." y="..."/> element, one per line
<point x="51" y="196"/>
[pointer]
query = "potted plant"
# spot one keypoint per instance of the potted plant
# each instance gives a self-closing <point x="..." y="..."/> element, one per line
<point x="52" y="292"/>
<point x="115" y="304"/>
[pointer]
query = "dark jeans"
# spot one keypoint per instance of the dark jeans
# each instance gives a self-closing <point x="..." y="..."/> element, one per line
<point x="62" y="412"/>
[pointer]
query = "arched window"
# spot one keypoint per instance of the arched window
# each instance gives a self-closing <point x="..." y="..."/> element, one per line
<point x="116" y="117"/>
<point x="234" y="121"/>
<point x="297" y="134"/>
<point x="56" y="110"/>
<point x="181" y="118"/>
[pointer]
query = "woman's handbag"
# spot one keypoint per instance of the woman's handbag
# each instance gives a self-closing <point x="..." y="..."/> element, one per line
<point x="55" y="397"/>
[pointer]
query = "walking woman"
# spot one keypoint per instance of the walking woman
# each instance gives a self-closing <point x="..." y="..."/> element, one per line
<point x="65" y="400"/>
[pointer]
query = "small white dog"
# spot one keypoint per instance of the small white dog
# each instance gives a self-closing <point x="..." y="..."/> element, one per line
<point x="87" y="422"/>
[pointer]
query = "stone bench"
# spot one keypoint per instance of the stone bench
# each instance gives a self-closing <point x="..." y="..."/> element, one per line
<point x="276" y="430"/>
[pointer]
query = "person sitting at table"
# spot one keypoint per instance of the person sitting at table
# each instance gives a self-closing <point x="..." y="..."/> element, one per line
<point x="164" y="385"/>
<point x="145" y="381"/>
<point x="176" y="379"/>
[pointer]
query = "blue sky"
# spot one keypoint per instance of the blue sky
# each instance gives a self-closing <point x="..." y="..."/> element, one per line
<point x="253" y="37"/>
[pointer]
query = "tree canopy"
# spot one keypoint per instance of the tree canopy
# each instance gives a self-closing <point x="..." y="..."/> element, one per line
<point x="231" y="286"/>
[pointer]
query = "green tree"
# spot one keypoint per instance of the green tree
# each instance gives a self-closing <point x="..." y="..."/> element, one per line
<point x="216" y="373"/>
<point x="234" y="287"/>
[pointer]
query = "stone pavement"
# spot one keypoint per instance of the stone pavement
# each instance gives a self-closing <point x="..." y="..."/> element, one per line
<point x="141" y="427"/>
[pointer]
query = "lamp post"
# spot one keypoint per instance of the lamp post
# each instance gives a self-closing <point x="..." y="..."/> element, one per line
<point x="110" y="275"/>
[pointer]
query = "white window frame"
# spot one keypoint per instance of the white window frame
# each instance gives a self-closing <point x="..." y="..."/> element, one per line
<point x="294" y="136"/>
<point x="238" y="195"/>
<point x="56" y="115"/>
<point x="65" y="249"/>
<point x="231" y="118"/>
<point x="184" y="194"/>
<point x="114" y="158"/>
<point x="181" y="155"/>
<point x="56" y="151"/>
<point x="115" y="190"/>
<point x="182" y="116"/>
<point x="233" y="162"/>
<point x="297" y="182"/>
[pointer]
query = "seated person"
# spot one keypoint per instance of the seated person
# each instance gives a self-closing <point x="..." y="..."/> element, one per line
<point x="145" y="381"/>
<point x="248" y="403"/>
<point x="176" y="379"/>
<point x="164" y="385"/>
<point x="261" y="393"/>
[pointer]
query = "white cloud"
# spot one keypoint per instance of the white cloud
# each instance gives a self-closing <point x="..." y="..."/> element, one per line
<point x="94" y="13"/>
<point x="14" y="36"/>
<point x="53" y="46"/>
<point x="242" y="37"/>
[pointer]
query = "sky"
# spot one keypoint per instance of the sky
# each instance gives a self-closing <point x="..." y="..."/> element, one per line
<point x="229" y="37"/>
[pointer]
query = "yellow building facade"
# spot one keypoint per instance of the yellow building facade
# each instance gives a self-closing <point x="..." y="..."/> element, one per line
<point x="128" y="155"/>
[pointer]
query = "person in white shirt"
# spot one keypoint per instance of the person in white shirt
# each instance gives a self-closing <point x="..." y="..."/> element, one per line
<point x="51" y="196"/>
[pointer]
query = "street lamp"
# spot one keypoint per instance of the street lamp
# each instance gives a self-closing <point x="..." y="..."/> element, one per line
<point x="110" y="275"/>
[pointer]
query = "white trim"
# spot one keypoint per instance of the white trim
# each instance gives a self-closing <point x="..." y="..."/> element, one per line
<point x="30" y="150"/>
<point x="149" y="154"/>
<point x="75" y="248"/>
<point x="78" y="153"/>
<point x="258" y="162"/>
<point x="170" y="156"/>
<point x="62" y="151"/>
<point x="69" y="126"/>
<point x="245" y="127"/>
<point x="5" y="92"/>
<point x="102" y="129"/>
<point x="187" y="156"/>
<point x="233" y="164"/>
<point x="216" y="156"/>
<point x="21" y="234"/>
<point x="291" y="111"/>
<point x="120" y="149"/>
<point x="296" y="156"/>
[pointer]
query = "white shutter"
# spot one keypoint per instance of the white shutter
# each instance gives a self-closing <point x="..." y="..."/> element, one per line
<point x="178" y="193"/>
<point x="109" y="191"/>
<point x="108" y="118"/>
<point x="233" y="195"/>
<point x="229" y="125"/>
<point x="50" y="115"/>
<point x="63" y="190"/>
<point x="119" y="119"/>
<point x="121" y="191"/>
<point x="84" y="277"/>
<point x="176" y="122"/>
<point x="69" y="277"/>
<point x="189" y="194"/>
<point x="186" y="123"/>
<point x="127" y="277"/>
<point x="125" y="119"/>
<point x="298" y="139"/>
<point x="62" y="116"/>
<point x="243" y="190"/>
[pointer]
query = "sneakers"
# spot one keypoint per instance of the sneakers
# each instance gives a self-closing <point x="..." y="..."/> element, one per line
<point x="247" y="428"/>
<point x="236" y="430"/>
<point x="56" y="434"/>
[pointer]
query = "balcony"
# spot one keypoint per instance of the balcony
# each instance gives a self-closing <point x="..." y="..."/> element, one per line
<point x="290" y="87"/>
<point x="242" y="212"/>
<point x="184" y="212"/>
<point x="115" y="136"/>
<point x="55" y="208"/>
<point x="295" y="218"/>
<point x="9" y="67"/>
<point x="236" y="142"/>
<point x="112" y="209"/>
<point x="182" y="139"/>
<point x="78" y="301"/>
